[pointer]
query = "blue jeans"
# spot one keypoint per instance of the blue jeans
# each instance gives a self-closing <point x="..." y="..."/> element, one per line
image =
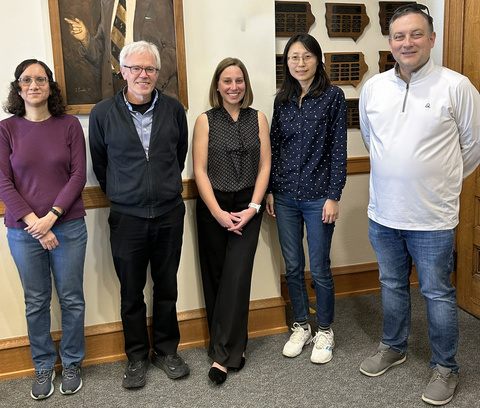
<point x="35" y="266"/>
<point x="291" y="216"/>
<point x="432" y="253"/>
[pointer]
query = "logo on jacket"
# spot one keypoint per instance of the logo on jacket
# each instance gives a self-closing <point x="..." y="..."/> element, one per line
<point x="427" y="105"/>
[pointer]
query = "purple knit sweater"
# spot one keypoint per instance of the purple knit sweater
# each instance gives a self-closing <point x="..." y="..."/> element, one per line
<point x="42" y="164"/>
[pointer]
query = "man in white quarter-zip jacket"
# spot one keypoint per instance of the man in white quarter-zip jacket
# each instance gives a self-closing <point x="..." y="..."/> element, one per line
<point x="421" y="125"/>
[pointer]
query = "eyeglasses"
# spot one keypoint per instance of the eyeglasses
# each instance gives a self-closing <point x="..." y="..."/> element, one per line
<point x="295" y="59"/>
<point x="136" y="70"/>
<point x="27" y="81"/>
<point x="413" y="6"/>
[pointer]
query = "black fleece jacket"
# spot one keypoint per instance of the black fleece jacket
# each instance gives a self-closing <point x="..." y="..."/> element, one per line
<point x="135" y="184"/>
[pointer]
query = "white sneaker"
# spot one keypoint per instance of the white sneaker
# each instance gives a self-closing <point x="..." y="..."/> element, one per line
<point x="298" y="339"/>
<point x="323" y="349"/>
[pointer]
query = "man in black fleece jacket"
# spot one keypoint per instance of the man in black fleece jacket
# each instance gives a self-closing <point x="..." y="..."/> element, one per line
<point x="138" y="143"/>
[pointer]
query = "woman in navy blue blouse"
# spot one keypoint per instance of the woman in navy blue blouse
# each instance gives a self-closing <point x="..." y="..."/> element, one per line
<point x="308" y="172"/>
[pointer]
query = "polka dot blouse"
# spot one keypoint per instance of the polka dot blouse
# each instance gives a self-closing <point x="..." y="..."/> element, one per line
<point x="309" y="147"/>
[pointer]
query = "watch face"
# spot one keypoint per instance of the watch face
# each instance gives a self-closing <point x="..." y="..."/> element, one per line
<point x="256" y="206"/>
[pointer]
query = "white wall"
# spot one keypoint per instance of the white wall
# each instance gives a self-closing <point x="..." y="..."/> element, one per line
<point x="214" y="29"/>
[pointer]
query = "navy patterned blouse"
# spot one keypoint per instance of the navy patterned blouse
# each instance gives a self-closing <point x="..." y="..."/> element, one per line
<point x="309" y="147"/>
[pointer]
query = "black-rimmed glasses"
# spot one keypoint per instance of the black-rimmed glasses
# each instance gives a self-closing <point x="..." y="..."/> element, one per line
<point x="136" y="70"/>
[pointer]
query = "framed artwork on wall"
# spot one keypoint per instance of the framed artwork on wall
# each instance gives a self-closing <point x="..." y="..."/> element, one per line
<point x="82" y="36"/>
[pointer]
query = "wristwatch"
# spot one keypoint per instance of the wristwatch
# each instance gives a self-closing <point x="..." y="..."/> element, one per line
<point x="57" y="213"/>
<point x="256" y="206"/>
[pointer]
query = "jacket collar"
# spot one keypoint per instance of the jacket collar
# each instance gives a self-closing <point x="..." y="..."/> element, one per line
<point x="417" y="75"/>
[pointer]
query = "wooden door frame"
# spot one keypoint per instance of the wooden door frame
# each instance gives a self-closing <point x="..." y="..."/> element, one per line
<point x="453" y="34"/>
<point x="460" y="53"/>
<point x="460" y="46"/>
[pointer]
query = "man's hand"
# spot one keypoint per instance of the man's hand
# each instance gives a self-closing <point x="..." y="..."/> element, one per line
<point x="77" y="29"/>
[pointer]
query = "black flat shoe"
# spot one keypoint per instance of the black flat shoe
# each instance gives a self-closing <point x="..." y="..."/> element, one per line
<point x="237" y="369"/>
<point x="217" y="375"/>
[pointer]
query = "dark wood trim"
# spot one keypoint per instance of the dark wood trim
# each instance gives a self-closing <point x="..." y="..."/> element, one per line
<point x="358" y="165"/>
<point x="93" y="197"/>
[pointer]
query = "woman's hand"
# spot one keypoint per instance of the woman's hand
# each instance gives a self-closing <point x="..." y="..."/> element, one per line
<point x="49" y="241"/>
<point x="270" y="205"/>
<point x="227" y="220"/>
<point x="40" y="227"/>
<point x="330" y="211"/>
<point x="244" y="216"/>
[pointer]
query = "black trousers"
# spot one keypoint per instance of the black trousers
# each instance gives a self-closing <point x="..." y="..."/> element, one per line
<point x="136" y="243"/>
<point x="226" y="262"/>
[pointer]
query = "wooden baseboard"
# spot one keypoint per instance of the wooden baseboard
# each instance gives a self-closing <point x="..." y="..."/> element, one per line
<point x="104" y="342"/>
<point x="351" y="280"/>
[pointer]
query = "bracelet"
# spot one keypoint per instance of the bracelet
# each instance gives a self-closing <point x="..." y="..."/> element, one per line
<point x="256" y="206"/>
<point x="57" y="213"/>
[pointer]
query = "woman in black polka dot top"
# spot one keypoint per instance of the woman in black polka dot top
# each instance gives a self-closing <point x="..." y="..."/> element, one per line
<point x="309" y="168"/>
<point x="231" y="160"/>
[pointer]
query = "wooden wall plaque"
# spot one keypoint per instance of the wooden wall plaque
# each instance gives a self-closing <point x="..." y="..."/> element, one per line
<point x="353" y="114"/>
<point x="346" y="68"/>
<point x="386" y="61"/>
<point x="346" y="20"/>
<point x="279" y="69"/>
<point x="292" y="18"/>
<point x="387" y="9"/>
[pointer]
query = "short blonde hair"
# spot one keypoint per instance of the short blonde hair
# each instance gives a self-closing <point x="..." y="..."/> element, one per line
<point x="214" y="96"/>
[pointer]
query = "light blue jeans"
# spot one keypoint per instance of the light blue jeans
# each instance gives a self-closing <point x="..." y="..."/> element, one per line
<point x="432" y="253"/>
<point x="35" y="266"/>
<point x="291" y="216"/>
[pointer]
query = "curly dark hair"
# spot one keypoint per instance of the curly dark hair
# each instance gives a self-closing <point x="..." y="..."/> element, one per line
<point x="15" y="103"/>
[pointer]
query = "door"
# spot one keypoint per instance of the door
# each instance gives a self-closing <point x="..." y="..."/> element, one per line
<point x="462" y="53"/>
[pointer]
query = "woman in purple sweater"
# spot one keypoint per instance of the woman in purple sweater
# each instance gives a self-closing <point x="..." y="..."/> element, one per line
<point x="42" y="175"/>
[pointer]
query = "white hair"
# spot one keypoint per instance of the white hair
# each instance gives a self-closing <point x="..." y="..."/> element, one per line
<point x="140" y="46"/>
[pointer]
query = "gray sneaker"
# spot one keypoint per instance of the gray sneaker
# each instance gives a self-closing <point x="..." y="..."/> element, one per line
<point x="71" y="379"/>
<point x="441" y="387"/>
<point x="43" y="386"/>
<point x="381" y="361"/>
